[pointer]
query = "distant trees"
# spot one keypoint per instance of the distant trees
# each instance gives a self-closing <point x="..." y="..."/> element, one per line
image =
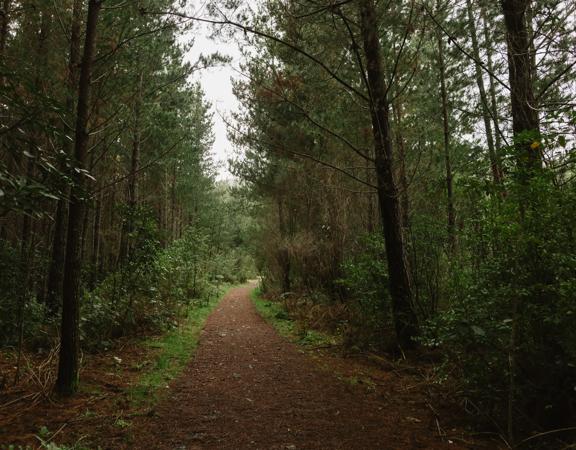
<point x="103" y="141"/>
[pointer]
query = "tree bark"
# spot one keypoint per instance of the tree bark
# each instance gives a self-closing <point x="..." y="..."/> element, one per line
<point x="68" y="364"/>
<point x="400" y="283"/>
<point x="283" y="255"/>
<point x="450" y="211"/>
<point x="491" y="68"/>
<point x="4" y="25"/>
<point x="56" y="268"/>
<point x="96" y="241"/>
<point x="128" y="225"/>
<point x="486" y="113"/>
<point x="402" y="177"/>
<point x="173" y="203"/>
<point x="525" y="122"/>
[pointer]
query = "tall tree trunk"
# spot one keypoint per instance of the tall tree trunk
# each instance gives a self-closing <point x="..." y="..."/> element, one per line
<point x="173" y="204"/>
<point x="68" y="364"/>
<point x="96" y="240"/>
<point x="490" y="64"/>
<point x="531" y="37"/>
<point x="402" y="177"/>
<point x="525" y="122"/>
<point x="136" y="144"/>
<point x="56" y="268"/>
<point x="388" y="194"/>
<point x="450" y="210"/>
<point x="25" y="262"/>
<point x="4" y="26"/>
<point x="284" y="255"/>
<point x="486" y="113"/>
<point x="85" y="228"/>
<point x="128" y="226"/>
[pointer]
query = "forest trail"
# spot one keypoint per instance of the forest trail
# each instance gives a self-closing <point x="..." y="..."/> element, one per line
<point x="248" y="388"/>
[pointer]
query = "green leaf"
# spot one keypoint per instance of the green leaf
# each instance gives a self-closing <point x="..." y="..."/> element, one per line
<point x="478" y="331"/>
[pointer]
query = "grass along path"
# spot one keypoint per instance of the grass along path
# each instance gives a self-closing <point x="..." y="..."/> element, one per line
<point x="275" y="314"/>
<point x="176" y="348"/>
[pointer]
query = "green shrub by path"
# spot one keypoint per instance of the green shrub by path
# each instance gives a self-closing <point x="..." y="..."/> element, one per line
<point x="176" y="348"/>
<point x="274" y="313"/>
<point x="153" y="293"/>
<point x="506" y="327"/>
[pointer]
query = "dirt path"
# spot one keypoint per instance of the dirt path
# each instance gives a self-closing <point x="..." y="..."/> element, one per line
<point x="248" y="388"/>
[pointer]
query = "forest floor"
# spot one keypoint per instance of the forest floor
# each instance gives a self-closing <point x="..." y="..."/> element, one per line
<point x="246" y="388"/>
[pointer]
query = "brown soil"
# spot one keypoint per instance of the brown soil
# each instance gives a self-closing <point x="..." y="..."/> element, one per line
<point x="248" y="388"/>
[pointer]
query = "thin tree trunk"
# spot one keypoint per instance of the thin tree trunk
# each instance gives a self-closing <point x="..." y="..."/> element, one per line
<point x="4" y="26"/>
<point x="402" y="178"/>
<point x="531" y="37"/>
<point x="491" y="68"/>
<point x="450" y="210"/>
<point x="128" y="227"/>
<point x="96" y="240"/>
<point x="173" y="204"/>
<point x="85" y="229"/>
<point x="388" y="195"/>
<point x="284" y="255"/>
<point x="25" y="261"/>
<point x="486" y="113"/>
<point x="68" y="364"/>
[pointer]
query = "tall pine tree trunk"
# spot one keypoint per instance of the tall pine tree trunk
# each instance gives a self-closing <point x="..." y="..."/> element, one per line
<point x="128" y="226"/>
<point x="525" y="122"/>
<point x="486" y="113"/>
<point x="490" y="64"/>
<point x="284" y="254"/>
<point x="57" y="257"/>
<point x="402" y="176"/>
<point x="450" y="210"/>
<point x="96" y="240"/>
<point x="388" y="193"/>
<point x="68" y="364"/>
<point x="4" y="25"/>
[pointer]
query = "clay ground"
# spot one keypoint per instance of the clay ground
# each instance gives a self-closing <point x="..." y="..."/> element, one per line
<point x="248" y="388"/>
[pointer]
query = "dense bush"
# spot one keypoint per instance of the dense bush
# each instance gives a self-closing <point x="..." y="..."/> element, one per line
<point x="155" y="287"/>
<point x="151" y="289"/>
<point x="509" y="325"/>
<point x="365" y="279"/>
<point x="22" y="314"/>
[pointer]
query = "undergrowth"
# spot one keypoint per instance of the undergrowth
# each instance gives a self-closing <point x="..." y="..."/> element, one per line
<point x="275" y="313"/>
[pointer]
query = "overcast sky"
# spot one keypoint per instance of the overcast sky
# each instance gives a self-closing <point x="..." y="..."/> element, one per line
<point x="218" y="89"/>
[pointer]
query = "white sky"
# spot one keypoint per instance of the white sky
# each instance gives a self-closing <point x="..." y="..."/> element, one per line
<point x="217" y="87"/>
